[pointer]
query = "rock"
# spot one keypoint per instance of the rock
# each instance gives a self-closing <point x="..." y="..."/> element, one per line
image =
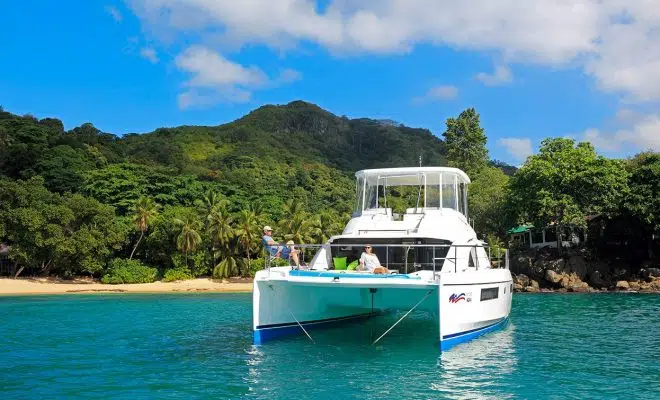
<point x="532" y="289"/>
<point x="565" y="282"/>
<point x="521" y="264"/>
<point x="552" y="277"/>
<point x="517" y="288"/>
<point x="622" y="285"/>
<point x="596" y="280"/>
<point x="534" y="284"/>
<point x="634" y="285"/>
<point x="577" y="265"/>
<point x="645" y="287"/>
<point x="562" y="290"/>
<point x="578" y="289"/>
<point x="652" y="272"/>
<point x="522" y="280"/>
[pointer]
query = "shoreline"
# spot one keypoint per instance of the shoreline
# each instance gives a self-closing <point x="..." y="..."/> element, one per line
<point x="39" y="286"/>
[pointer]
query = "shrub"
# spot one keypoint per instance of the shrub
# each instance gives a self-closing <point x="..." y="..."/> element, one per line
<point x="199" y="263"/>
<point x="177" y="274"/>
<point x="129" y="271"/>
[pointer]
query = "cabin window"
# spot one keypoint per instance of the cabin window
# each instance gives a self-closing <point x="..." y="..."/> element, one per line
<point x="489" y="293"/>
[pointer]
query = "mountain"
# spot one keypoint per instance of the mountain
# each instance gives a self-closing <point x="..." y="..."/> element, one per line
<point x="298" y="131"/>
<point x="274" y="153"/>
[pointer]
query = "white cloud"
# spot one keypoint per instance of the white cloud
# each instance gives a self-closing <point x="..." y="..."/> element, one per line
<point x="149" y="54"/>
<point x="518" y="148"/>
<point x="114" y="13"/>
<point x="643" y="133"/>
<point x="289" y="75"/>
<point x="214" y="79"/>
<point x="210" y="69"/>
<point x="440" y="92"/>
<point x="615" y="41"/>
<point x="500" y="76"/>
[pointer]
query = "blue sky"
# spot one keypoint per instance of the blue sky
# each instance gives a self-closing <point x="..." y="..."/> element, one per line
<point x="531" y="69"/>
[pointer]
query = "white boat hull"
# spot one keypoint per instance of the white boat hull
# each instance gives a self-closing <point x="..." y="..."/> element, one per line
<point x="283" y="300"/>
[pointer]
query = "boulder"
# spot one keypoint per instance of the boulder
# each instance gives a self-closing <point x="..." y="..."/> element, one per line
<point x="622" y="285"/>
<point x="651" y="272"/>
<point x="577" y="265"/>
<point x="534" y="284"/>
<point x="521" y="263"/>
<point x="532" y="289"/>
<point x="566" y="282"/>
<point x="552" y="276"/>
<point x="522" y="280"/>
<point x="596" y="280"/>
<point x="517" y="288"/>
<point x="634" y="285"/>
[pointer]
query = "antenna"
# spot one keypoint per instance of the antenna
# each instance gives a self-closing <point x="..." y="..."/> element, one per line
<point x="420" y="160"/>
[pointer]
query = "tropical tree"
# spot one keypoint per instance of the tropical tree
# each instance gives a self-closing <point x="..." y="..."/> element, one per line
<point x="144" y="210"/>
<point x="221" y="231"/>
<point x="188" y="239"/>
<point x="302" y="228"/>
<point x="327" y="225"/>
<point x="465" y="142"/>
<point x="643" y="200"/>
<point x="247" y="230"/>
<point x="564" y="183"/>
<point x="293" y="210"/>
<point x="487" y="201"/>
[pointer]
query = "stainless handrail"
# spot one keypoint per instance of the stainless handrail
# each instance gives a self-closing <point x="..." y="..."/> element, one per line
<point x="492" y="260"/>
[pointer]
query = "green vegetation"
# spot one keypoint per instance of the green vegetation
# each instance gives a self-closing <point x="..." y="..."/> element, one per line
<point x="129" y="271"/>
<point x="190" y="201"/>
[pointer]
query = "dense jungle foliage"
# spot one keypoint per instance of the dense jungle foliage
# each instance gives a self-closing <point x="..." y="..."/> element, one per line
<point x="190" y="201"/>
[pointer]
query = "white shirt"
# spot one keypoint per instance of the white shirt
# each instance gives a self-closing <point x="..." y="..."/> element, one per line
<point x="370" y="261"/>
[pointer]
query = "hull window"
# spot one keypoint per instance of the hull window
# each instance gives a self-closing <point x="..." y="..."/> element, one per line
<point x="489" y="293"/>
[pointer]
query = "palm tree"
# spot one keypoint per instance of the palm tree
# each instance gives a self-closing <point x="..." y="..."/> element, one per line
<point x="221" y="231"/>
<point x="247" y="231"/>
<point x="231" y="263"/>
<point x="302" y="228"/>
<point x="188" y="240"/>
<point x="143" y="212"/>
<point x="327" y="225"/>
<point x="292" y="209"/>
<point x="210" y="204"/>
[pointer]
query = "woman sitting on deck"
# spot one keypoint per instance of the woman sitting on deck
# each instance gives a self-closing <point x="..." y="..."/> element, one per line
<point x="369" y="262"/>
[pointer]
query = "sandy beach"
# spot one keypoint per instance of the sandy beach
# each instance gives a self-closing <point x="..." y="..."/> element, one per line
<point x="28" y="286"/>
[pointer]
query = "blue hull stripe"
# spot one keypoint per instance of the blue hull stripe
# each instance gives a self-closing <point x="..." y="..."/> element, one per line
<point x="264" y="333"/>
<point x="449" y="341"/>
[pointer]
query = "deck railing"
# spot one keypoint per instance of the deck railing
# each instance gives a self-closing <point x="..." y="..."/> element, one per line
<point x="434" y="260"/>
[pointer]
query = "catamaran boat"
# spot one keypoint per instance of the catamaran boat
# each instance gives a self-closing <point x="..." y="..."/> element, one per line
<point x="434" y="260"/>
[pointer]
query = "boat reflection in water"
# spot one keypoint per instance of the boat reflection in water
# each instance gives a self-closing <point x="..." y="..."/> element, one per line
<point x="478" y="369"/>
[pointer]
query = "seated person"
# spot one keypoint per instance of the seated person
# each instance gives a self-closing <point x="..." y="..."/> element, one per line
<point x="275" y="250"/>
<point x="369" y="262"/>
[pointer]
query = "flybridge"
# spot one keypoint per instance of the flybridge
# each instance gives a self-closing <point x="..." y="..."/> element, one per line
<point x="438" y="188"/>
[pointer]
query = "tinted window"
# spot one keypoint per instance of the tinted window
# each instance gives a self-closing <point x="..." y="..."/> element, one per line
<point x="489" y="293"/>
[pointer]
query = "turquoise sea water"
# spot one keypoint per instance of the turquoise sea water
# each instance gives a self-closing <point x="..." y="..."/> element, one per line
<point x="199" y="346"/>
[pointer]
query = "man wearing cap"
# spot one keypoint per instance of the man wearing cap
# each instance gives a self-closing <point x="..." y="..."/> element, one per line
<point x="274" y="249"/>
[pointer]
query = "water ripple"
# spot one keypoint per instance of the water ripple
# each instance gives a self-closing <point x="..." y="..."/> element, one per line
<point x="198" y="346"/>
